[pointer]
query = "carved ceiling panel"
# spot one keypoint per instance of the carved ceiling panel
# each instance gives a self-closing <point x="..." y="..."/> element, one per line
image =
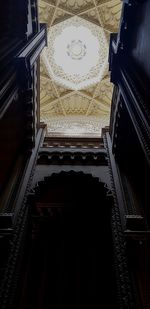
<point x="99" y="2"/>
<point x="63" y="91"/>
<point x="76" y="6"/>
<point x="75" y="125"/>
<point x="103" y="91"/>
<point x="75" y="104"/>
<point x="53" y="109"/>
<point x="92" y="16"/>
<point x="60" y="16"/>
<point x="110" y="15"/>
<point x="89" y="91"/>
<point x="59" y="101"/>
<point x="51" y="2"/>
<point x="46" y="13"/>
<point x="47" y="91"/>
<point x="97" y="109"/>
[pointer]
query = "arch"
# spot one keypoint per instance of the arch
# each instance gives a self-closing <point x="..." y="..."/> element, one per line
<point x="99" y="172"/>
<point x="72" y="243"/>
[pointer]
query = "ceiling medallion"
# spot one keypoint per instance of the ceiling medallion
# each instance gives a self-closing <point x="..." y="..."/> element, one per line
<point x="77" y="53"/>
<point x="76" y="50"/>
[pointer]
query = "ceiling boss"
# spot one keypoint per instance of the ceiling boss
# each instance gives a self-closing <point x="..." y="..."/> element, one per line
<point x="76" y="49"/>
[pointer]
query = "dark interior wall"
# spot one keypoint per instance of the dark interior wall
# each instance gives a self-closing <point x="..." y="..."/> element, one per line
<point x="17" y="118"/>
<point x="132" y="163"/>
<point x="6" y="21"/>
<point x="140" y="37"/>
<point x="12" y="35"/>
<point x="12" y="137"/>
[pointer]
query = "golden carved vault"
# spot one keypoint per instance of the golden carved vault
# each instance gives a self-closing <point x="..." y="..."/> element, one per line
<point x="72" y="102"/>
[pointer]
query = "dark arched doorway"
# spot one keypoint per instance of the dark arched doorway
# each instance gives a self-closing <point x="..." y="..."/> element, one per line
<point x="70" y="263"/>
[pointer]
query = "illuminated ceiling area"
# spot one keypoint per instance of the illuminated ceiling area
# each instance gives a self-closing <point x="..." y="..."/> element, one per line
<point x="75" y="85"/>
<point x="77" y="58"/>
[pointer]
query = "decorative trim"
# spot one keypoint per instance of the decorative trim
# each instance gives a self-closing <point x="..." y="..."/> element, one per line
<point x="29" y="54"/>
<point x="72" y="156"/>
<point x="10" y="273"/>
<point x="125" y="291"/>
<point x="139" y="121"/>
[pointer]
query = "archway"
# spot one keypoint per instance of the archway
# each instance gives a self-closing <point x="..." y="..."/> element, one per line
<point x="70" y="262"/>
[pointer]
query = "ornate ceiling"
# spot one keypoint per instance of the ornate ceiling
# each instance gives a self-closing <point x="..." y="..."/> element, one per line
<point x="78" y="54"/>
<point x="85" y="107"/>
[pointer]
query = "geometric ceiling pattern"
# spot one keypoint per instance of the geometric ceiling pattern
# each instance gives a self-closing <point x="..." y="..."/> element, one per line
<point x="60" y="104"/>
<point x="77" y="53"/>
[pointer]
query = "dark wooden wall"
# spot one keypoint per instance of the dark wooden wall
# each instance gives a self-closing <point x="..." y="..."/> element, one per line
<point x="140" y="34"/>
<point x="21" y="38"/>
<point x="130" y="135"/>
